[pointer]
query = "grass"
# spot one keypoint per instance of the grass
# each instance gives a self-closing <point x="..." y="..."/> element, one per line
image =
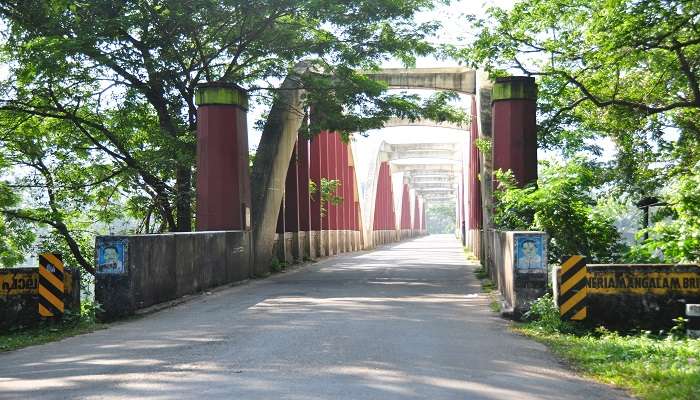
<point x="652" y="368"/>
<point x="44" y="333"/>
<point x="487" y="285"/>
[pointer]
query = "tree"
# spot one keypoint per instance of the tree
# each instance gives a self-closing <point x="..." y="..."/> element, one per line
<point x="562" y="204"/>
<point x="675" y="236"/>
<point x="441" y="219"/>
<point x="119" y="78"/>
<point x="628" y="70"/>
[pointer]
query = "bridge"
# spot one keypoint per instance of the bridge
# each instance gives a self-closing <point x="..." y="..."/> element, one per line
<point x="384" y="312"/>
<point x="403" y="321"/>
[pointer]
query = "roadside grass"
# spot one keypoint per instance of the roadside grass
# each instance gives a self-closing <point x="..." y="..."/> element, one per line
<point x="651" y="367"/>
<point x="487" y="285"/>
<point x="45" y="332"/>
<point x="72" y="324"/>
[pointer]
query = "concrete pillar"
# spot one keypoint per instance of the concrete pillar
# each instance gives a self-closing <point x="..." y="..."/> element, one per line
<point x="223" y="182"/>
<point x="514" y="127"/>
<point x="303" y="173"/>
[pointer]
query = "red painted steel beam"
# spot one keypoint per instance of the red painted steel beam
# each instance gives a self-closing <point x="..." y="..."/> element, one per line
<point x="303" y="182"/>
<point x="316" y="162"/>
<point x="342" y="176"/>
<point x="325" y="173"/>
<point x="405" y="208"/>
<point x="332" y="175"/>
<point x="291" y="195"/>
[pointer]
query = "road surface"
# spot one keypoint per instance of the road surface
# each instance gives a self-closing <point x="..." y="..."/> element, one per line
<point x="405" y="321"/>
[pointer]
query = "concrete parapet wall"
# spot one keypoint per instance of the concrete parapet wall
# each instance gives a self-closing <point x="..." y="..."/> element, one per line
<point x="517" y="264"/>
<point x="637" y="296"/>
<point x="144" y="270"/>
<point x="19" y="295"/>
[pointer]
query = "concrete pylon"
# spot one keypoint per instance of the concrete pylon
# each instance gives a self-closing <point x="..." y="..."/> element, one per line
<point x="223" y="183"/>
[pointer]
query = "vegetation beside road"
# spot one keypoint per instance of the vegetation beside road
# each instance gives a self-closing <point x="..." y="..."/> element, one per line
<point x="663" y="366"/>
<point x="50" y="331"/>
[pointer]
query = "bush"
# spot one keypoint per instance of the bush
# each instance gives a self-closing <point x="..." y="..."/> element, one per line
<point x="544" y="315"/>
<point x="563" y="205"/>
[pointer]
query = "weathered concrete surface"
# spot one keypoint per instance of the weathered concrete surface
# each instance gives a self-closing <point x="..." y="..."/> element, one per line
<point x="160" y="268"/>
<point x="459" y="79"/>
<point x="403" y="322"/>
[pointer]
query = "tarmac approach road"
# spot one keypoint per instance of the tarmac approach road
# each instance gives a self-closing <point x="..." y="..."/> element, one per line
<point x="404" y="321"/>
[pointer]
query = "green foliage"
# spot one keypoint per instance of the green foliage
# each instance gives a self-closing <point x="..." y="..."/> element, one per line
<point x="277" y="266"/>
<point x="97" y="114"/>
<point x="440" y="218"/>
<point x="544" y="316"/>
<point x="677" y="237"/>
<point x="484" y="145"/>
<point x="617" y="67"/>
<point x="47" y="332"/>
<point x="652" y="368"/>
<point x="16" y="237"/>
<point x="618" y="73"/>
<point x="329" y="193"/>
<point x="563" y="205"/>
<point x="489" y="287"/>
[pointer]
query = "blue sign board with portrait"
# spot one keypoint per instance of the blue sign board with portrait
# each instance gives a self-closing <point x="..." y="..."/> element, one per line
<point x="111" y="255"/>
<point x="530" y="252"/>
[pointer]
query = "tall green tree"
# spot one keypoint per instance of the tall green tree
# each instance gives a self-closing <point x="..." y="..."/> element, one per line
<point x="119" y="77"/>
<point x="628" y="70"/>
<point x="563" y="203"/>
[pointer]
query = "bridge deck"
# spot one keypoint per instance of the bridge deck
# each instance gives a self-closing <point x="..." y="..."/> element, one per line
<point x="403" y="322"/>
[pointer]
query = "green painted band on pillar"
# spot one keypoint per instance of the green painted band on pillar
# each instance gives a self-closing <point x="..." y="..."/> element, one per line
<point x="220" y="94"/>
<point x="514" y="87"/>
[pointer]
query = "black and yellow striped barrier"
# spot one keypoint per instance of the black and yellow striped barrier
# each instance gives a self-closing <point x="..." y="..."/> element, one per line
<point x="573" y="284"/>
<point x="51" y="287"/>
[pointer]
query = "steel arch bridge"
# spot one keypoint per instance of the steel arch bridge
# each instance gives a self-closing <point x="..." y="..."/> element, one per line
<point x="289" y="221"/>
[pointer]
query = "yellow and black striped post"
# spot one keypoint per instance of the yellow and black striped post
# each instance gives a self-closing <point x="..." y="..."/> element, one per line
<point x="51" y="289"/>
<point x="573" y="289"/>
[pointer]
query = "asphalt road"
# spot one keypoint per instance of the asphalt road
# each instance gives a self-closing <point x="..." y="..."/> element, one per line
<point x="403" y="322"/>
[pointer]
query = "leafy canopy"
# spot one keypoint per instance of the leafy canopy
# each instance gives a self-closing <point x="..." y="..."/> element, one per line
<point x="102" y="92"/>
